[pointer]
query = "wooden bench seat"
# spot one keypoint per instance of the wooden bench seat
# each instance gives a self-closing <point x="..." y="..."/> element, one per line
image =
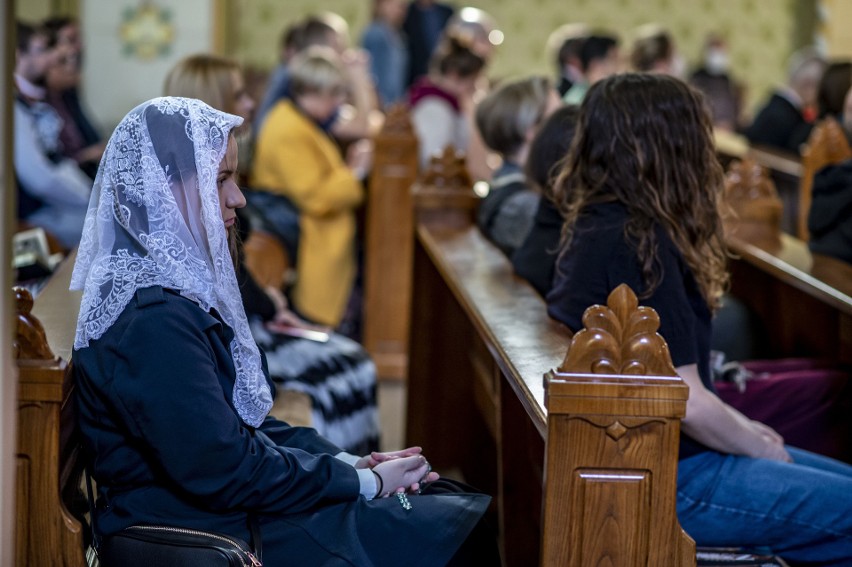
<point x="583" y="466"/>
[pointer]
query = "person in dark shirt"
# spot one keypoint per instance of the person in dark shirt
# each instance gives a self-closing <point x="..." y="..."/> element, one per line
<point x="639" y="193"/>
<point x="507" y="119"/>
<point x="173" y="393"/>
<point x="534" y="260"/>
<point x="830" y="215"/>
<point x="786" y="120"/>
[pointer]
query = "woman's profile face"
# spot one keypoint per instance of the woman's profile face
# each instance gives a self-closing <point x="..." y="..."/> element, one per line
<point x="230" y="196"/>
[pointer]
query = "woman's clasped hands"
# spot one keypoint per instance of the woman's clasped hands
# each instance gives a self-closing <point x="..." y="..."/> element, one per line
<point x="406" y="470"/>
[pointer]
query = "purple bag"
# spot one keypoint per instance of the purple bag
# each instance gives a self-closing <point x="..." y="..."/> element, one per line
<point x="808" y="401"/>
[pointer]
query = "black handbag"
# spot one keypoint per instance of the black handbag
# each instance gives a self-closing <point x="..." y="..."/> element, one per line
<point x="169" y="546"/>
<point x="164" y="546"/>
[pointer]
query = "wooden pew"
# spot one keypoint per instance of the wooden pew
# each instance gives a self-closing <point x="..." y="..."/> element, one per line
<point x="49" y="503"/>
<point x="827" y="145"/>
<point x="785" y="170"/>
<point x="573" y="459"/>
<point x="389" y="239"/>
<point x="803" y="300"/>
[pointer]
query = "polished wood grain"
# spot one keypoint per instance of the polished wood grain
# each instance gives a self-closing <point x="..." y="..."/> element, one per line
<point x="827" y="145"/>
<point x="49" y="531"/>
<point x="481" y="341"/>
<point x="389" y="242"/>
<point x="755" y="209"/>
<point x="266" y="259"/>
<point x="784" y="168"/>
<point x="614" y="410"/>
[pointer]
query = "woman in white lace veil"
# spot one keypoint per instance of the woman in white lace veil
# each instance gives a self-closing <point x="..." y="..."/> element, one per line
<point x="154" y="220"/>
<point x="162" y="341"/>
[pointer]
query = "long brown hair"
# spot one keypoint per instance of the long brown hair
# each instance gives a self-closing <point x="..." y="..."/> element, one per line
<point x="646" y="141"/>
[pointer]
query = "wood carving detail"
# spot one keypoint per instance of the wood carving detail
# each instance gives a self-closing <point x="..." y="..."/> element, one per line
<point x="448" y="171"/>
<point x="30" y="341"/>
<point x="752" y="195"/>
<point x="617" y="428"/>
<point x="827" y="145"/>
<point x="619" y="338"/>
<point x="397" y="122"/>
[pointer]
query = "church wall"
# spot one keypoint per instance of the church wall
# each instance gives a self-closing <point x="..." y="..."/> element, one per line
<point x="761" y="33"/>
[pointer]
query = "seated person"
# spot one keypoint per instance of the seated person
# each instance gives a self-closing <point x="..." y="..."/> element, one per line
<point x="654" y="52"/>
<point x="507" y="120"/>
<point x="355" y="120"/>
<point x="79" y="139"/>
<point x="535" y="259"/>
<point x="53" y="192"/>
<point x="782" y="122"/>
<point x="830" y="216"/>
<point x="424" y="23"/>
<point x="599" y="59"/>
<point x="337" y="375"/>
<point x="833" y="86"/>
<point x="565" y="43"/>
<point x="172" y="390"/>
<point x="654" y="224"/>
<point x="723" y="94"/>
<point x="437" y="100"/>
<point x="296" y="158"/>
<point x="383" y="40"/>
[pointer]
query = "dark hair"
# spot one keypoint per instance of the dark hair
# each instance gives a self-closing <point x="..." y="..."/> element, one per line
<point x="650" y="49"/>
<point x="307" y="33"/>
<point x="24" y="33"/>
<point x="646" y="141"/>
<point x="53" y="25"/>
<point x="508" y="112"/>
<point x="454" y="56"/>
<point x="549" y="148"/>
<point x="835" y="83"/>
<point x="571" y="47"/>
<point x="596" y="47"/>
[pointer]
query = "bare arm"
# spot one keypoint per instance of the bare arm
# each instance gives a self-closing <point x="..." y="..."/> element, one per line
<point x="357" y="119"/>
<point x="717" y="425"/>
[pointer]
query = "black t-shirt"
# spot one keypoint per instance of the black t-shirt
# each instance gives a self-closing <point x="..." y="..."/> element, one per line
<point x="600" y="258"/>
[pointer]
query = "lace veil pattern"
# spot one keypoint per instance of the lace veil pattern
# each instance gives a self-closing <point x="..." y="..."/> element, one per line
<point x="154" y="219"/>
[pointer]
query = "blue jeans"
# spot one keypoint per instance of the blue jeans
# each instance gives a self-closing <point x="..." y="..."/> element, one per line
<point x="801" y="511"/>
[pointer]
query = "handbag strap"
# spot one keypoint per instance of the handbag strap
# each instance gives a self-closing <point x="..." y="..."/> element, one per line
<point x="96" y="540"/>
<point x="256" y="542"/>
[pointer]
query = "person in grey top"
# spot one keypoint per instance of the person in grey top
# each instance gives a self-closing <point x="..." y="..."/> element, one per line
<point x="508" y="119"/>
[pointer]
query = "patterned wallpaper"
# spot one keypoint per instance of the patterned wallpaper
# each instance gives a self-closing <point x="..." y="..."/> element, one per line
<point x="761" y="33"/>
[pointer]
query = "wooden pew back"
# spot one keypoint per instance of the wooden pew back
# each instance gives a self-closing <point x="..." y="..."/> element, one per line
<point x="389" y="238"/>
<point x="570" y="457"/>
<point x="49" y="502"/>
<point x="614" y="410"/>
<point x="827" y="145"/>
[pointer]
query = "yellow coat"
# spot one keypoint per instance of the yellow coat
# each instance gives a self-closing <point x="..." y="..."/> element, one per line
<point x="294" y="157"/>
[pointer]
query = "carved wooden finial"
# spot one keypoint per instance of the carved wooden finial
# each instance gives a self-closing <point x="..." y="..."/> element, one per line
<point x="448" y="171"/>
<point x="751" y="194"/>
<point x="619" y="338"/>
<point x="30" y="342"/>
<point x="397" y="121"/>
<point x="827" y="144"/>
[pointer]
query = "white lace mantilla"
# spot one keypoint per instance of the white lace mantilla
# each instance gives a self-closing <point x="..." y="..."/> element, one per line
<point x="154" y="220"/>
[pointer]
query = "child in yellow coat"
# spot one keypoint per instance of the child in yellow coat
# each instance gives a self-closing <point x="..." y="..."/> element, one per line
<point x="296" y="158"/>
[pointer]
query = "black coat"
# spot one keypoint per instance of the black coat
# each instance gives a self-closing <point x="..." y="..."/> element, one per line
<point x="535" y="259"/>
<point x="166" y="446"/>
<point x="780" y="125"/>
<point x="830" y="217"/>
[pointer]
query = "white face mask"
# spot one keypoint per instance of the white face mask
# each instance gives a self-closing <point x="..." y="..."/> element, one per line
<point x="716" y="61"/>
